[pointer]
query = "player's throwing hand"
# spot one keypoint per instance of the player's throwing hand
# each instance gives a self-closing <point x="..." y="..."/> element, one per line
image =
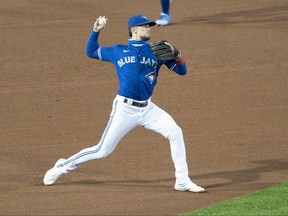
<point x="100" y="23"/>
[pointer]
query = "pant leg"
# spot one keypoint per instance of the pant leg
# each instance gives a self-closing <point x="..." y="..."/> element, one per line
<point x="120" y="123"/>
<point x="157" y="120"/>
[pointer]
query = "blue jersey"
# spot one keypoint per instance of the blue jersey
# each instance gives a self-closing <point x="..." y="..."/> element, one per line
<point x="136" y="66"/>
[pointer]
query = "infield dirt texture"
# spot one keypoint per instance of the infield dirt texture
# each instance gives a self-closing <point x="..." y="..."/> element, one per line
<point x="55" y="101"/>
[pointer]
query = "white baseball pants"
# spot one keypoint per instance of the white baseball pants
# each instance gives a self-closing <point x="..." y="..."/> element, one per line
<point x="123" y="118"/>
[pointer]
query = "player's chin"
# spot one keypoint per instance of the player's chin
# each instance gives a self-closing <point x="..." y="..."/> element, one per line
<point x="146" y="38"/>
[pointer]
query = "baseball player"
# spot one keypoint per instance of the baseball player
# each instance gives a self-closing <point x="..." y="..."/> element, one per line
<point x="137" y="69"/>
<point x="165" y="17"/>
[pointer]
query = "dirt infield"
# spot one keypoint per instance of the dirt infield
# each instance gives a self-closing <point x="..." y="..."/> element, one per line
<point x="232" y="106"/>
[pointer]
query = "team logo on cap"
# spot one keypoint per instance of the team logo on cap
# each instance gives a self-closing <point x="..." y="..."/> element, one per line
<point x="144" y="17"/>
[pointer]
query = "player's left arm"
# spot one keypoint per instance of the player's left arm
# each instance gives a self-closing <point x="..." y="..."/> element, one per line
<point x="177" y="65"/>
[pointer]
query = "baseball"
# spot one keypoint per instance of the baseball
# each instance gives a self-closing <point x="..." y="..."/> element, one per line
<point x="102" y="21"/>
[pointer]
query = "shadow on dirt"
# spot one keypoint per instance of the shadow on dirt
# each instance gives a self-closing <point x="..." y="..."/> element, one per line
<point x="233" y="177"/>
<point x="236" y="177"/>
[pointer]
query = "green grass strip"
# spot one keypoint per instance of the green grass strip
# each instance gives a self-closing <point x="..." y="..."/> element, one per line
<point x="268" y="202"/>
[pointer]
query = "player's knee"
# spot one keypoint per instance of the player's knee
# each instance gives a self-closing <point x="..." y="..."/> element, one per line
<point x="104" y="152"/>
<point x="178" y="131"/>
<point x="175" y="132"/>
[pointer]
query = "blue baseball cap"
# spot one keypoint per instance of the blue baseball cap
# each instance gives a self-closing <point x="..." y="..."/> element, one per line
<point x="139" y="20"/>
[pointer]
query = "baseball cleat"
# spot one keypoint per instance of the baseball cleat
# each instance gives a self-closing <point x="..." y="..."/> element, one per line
<point x="53" y="174"/>
<point x="190" y="186"/>
<point x="163" y="20"/>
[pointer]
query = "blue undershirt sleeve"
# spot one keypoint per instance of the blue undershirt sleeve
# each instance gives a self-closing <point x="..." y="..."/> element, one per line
<point x="178" y="67"/>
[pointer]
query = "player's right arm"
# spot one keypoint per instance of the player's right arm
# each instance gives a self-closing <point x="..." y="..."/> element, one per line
<point x="92" y="46"/>
<point x="93" y="49"/>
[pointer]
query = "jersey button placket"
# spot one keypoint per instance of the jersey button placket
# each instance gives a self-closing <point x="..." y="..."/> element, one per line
<point x="138" y="60"/>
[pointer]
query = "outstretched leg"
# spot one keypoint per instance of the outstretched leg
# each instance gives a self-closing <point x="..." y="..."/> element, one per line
<point x="117" y="127"/>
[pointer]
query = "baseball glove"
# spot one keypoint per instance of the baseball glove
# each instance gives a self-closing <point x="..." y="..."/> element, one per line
<point x="164" y="51"/>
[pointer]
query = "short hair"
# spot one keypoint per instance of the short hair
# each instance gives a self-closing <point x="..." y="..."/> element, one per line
<point x="130" y="33"/>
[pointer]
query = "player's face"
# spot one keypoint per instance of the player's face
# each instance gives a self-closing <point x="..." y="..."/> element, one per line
<point x="143" y="32"/>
